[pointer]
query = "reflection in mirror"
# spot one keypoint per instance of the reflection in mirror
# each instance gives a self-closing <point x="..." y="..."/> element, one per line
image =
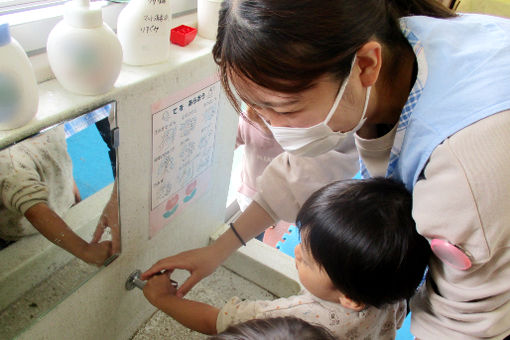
<point x="58" y="214"/>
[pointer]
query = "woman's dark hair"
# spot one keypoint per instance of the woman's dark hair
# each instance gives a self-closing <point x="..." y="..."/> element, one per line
<point x="362" y="233"/>
<point x="286" y="45"/>
<point x="281" y="328"/>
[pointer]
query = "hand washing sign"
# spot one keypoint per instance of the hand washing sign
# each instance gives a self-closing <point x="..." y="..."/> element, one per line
<point x="183" y="136"/>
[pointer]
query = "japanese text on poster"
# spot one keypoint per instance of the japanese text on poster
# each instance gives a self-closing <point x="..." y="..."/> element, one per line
<point x="183" y="137"/>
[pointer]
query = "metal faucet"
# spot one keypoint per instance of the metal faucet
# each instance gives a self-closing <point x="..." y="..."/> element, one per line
<point x="134" y="281"/>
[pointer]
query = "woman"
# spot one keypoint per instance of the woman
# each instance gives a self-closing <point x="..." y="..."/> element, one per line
<point x="427" y="94"/>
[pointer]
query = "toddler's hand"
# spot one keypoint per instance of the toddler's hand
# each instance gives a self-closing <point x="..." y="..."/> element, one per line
<point x="110" y="218"/>
<point x="97" y="253"/>
<point x="158" y="286"/>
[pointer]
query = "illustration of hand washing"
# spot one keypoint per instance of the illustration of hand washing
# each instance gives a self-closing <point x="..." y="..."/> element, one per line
<point x="171" y="206"/>
<point x="188" y="126"/>
<point x="191" y="189"/>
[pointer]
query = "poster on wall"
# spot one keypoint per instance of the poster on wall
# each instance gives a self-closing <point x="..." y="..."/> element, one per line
<point x="183" y="138"/>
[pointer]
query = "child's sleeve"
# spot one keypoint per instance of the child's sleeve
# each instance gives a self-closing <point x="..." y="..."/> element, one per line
<point x="21" y="186"/>
<point x="236" y="310"/>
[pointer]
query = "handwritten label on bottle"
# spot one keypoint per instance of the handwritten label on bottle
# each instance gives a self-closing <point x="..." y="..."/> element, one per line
<point x="154" y="23"/>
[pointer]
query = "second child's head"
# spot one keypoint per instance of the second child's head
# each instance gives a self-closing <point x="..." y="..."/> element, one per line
<point x="359" y="243"/>
<point x="278" y="328"/>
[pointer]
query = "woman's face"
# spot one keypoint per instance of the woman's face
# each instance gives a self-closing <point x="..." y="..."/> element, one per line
<point x="306" y="108"/>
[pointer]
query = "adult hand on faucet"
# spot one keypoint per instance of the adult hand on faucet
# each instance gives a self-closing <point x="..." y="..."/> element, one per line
<point x="201" y="262"/>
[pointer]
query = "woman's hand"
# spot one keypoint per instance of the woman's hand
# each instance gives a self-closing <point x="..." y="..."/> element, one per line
<point x="200" y="262"/>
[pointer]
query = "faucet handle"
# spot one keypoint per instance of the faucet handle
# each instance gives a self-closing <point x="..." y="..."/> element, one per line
<point x="133" y="280"/>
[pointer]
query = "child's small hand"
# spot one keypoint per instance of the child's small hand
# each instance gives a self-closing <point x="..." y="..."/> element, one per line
<point x="158" y="286"/>
<point x="97" y="253"/>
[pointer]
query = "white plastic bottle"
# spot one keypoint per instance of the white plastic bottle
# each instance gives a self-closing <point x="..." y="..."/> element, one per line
<point x="207" y="16"/>
<point x="143" y="28"/>
<point x="19" y="97"/>
<point x="84" y="53"/>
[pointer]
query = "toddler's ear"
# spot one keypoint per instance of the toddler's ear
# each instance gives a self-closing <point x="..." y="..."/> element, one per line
<point x="351" y="304"/>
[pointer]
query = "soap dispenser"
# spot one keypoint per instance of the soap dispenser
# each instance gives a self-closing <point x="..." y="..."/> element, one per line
<point x="84" y="53"/>
<point x="143" y="28"/>
<point x="19" y="96"/>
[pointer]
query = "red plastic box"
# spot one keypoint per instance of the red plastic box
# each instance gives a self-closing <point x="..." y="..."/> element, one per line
<point x="182" y="35"/>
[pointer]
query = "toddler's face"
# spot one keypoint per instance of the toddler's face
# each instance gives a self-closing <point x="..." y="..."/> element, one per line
<point x="313" y="277"/>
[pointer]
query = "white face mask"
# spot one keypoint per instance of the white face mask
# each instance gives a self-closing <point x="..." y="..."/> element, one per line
<point x="318" y="139"/>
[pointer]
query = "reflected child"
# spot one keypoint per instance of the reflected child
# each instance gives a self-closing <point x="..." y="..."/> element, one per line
<point x="36" y="189"/>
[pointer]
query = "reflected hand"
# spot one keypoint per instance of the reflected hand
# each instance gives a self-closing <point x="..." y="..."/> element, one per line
<point x="97" y="253"/>
<point x="109" y="219"/>
<point x="158" y="286"/>
<point x="200" y="262"/>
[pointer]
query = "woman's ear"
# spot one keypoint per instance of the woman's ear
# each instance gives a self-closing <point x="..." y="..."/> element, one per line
<point x="351" y="304"/>
<point x="369" y="59"/>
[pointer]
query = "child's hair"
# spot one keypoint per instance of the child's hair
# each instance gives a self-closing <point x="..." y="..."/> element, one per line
<point x="281" y="328"/>
<point x="363" y="234"/>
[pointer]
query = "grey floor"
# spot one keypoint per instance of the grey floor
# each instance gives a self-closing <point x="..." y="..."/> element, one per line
<point x="215" y="290"/>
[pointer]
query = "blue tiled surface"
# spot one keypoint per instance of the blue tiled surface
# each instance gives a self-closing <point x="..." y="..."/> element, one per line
<point x="289" y="241"/>
<point x="91" y="164"/>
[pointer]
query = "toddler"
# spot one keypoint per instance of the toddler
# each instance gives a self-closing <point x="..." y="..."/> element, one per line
<point x="359" y="260"/>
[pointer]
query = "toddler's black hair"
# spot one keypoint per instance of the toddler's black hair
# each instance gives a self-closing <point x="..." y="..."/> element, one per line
<point x="362" y="233"/>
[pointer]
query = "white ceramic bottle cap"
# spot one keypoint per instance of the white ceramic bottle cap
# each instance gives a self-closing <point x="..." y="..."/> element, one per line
<point x="450" y="254"/>
<point x="81" y="14"/>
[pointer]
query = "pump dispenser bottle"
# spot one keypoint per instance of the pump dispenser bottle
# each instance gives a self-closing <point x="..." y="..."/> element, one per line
<point x="84" y="53"/>
<point x="143" y="28"/>
<point x="19" y="96"/>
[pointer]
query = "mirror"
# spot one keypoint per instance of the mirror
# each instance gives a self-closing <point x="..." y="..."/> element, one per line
<point x="58" y="214"/>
